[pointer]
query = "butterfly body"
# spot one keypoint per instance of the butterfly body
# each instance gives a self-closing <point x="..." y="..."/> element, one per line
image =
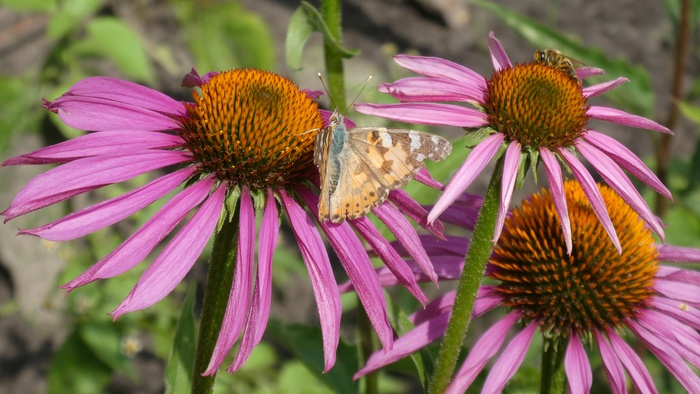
<point x="359" y="166"/>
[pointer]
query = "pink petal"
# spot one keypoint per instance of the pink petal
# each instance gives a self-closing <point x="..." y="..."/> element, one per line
<point x="178" y="257"/>
<point x="139" y="245"/>
<point x="680" y="311"/>
<point x="262" y="294"/>
<point x="577" y="367"/>
<point x="111" y="211"/>
<point x="585" y="72"/>
<point x="620" y="117"/>
<point x="441" y="305"/>
<point x="483" y="350"/>
<point x="617" y="179"/>
<point x="472" y="167"/>
<point x="601" y="88"/>
<point x="673" y="362"/>
<point x="99" y="114"/>
<point x="410" y="342"/>
<point x="96" y="144"/>
<point x="498" y="54"/>
<point x="612" y="364"/>
<point x="80" y="176"/>
<point x="414" y="211"/>
<point x="323" y="282"/>
<point x="125" y="92"/>
<point x="627" y="160"/>
<point x="510" y="174"/>
<point x="400" y="271"/>
<point x="633" y="364"/>
<point x="590" y="189"/>
<point x="509" y="361"/>
<point x="441" y="68"/>
<point x="426" y="113"/>
<point x="192" y="79"/>
<point x="678" y="254"/>
<point x="433" y="89"/>
<point x="238" y="305"/>
<point x="359" y="269"/>
<point x="679" y="275"/>
<point x="424" y="177"/>
<point x="556" y="187"/>
<point x="678" y="291"/>
<point x="407" y="236"/>
<point x="682" y="339"/>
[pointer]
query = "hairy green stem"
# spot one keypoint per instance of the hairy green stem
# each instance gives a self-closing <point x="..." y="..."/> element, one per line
<point x="553" y="380"/>
<point x="479" y="252"/>
<point x="332" y="16"/>
<point x="216" y="293"/>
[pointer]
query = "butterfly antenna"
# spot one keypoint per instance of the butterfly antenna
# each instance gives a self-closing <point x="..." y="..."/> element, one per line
<point x="362" y="89"/>
<point x="327" y="92"/>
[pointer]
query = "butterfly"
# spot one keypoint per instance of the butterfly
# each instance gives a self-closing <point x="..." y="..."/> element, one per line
<point x="359" y="166"/>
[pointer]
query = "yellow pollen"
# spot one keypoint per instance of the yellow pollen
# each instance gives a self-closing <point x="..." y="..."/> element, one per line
<point x="594" y="287"/>
<point x="251" y="127"/>
<point x="536" y="105"/>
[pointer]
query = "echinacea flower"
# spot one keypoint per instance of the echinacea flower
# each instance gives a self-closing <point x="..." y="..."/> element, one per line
<point x="532" y="113"/>
<point x="593" y="298"/>
<point x="243" y="147"/>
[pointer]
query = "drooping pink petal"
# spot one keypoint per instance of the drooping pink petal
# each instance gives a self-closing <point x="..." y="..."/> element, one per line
<point x="612" y="364"/>
<point x="420" y="336"/>
<point x="690" y="277"/>
<point x="498" y="54"/>
<point x="79" y="176"/>
<point x="585" y="72"/>
<point x="442" y="304"/>
<point x="577" y="367"/>
<point x="472" y="167"/>
<point x="177" y="258"/>
<point x="673" y="362"/>
<point x="426" y="113"/>
<point x="433" y="89"/>
<point x="510" y="174"/>
<point x="682" y="339"/>
<point x="262" y="294"/>
<point x="626" y="159"/>
<point x="139" y="245"/>
<point x="441" y="68"/>
<point x="508" y="363"/>
<point x="97" y="144"/>
<point x="416" y="212"/>
<point x="680" y="311"/>
<point x="99" y="114"/>
<point x="394" y="263"/>
<point x="111" y="211"/>
<point x="621" y="117"/>
<point x="407" y="236"/>
<point x="678" y="254"/>
<point x="238" y="305"/>
<point x="590" y="189"/>
<point x="483" y="350"/>
<point x="617" y="180"/>
<point x="556" y="187"/>
<point x="598" y="89"/>
<point x="424" y="177"/>
<point x="633" y="364"/>
<point x="313" y="251"/>
<point x="359" y="269"/>
<point x="118" y="90"/>
<point x="677" y="291"/>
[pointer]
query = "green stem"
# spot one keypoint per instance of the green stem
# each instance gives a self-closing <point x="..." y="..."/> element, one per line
<point x="479" y="252"/>
<point x="553" y="379"/>
<point x="216" y="294"/>
<point x="366" y="349"/>
<point x="332" y="15"/>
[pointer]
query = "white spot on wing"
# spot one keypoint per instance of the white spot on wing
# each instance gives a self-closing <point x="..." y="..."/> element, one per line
<point x="415" y="141"/>
<point x="387" y="141"/>
<point x="420" y="157"/>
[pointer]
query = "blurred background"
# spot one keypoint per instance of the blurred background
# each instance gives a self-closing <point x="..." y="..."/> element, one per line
<point x="50" y="342"/>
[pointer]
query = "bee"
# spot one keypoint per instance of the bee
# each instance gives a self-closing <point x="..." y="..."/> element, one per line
<point x="554" y="58"/>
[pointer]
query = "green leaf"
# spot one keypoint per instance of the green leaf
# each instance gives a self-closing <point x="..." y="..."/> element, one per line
<point x="422" y="360"/>
<point x="104" y="339"/>
<point x="20" y="109"/>
<point x="306" y="343"/>
<point x="298" y="33"/>
<point x="112" y="38"/>
<point x="315" y="18"/>
<point x="75" y="369"/>
<point x="636" y="96"/>
<point x="690" y="111"/>
<point x="224" y="35"/>
<point x="70" y="15"/>
<point x="178" y="372"/>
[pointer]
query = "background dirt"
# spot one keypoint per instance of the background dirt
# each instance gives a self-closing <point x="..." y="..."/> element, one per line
<point x="634" y="29"/>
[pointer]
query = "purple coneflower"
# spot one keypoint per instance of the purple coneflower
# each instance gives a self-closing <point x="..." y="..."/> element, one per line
<point x="243" y="143"/>
<point x="532" y="112"/>
<point x="590" y="298"/>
